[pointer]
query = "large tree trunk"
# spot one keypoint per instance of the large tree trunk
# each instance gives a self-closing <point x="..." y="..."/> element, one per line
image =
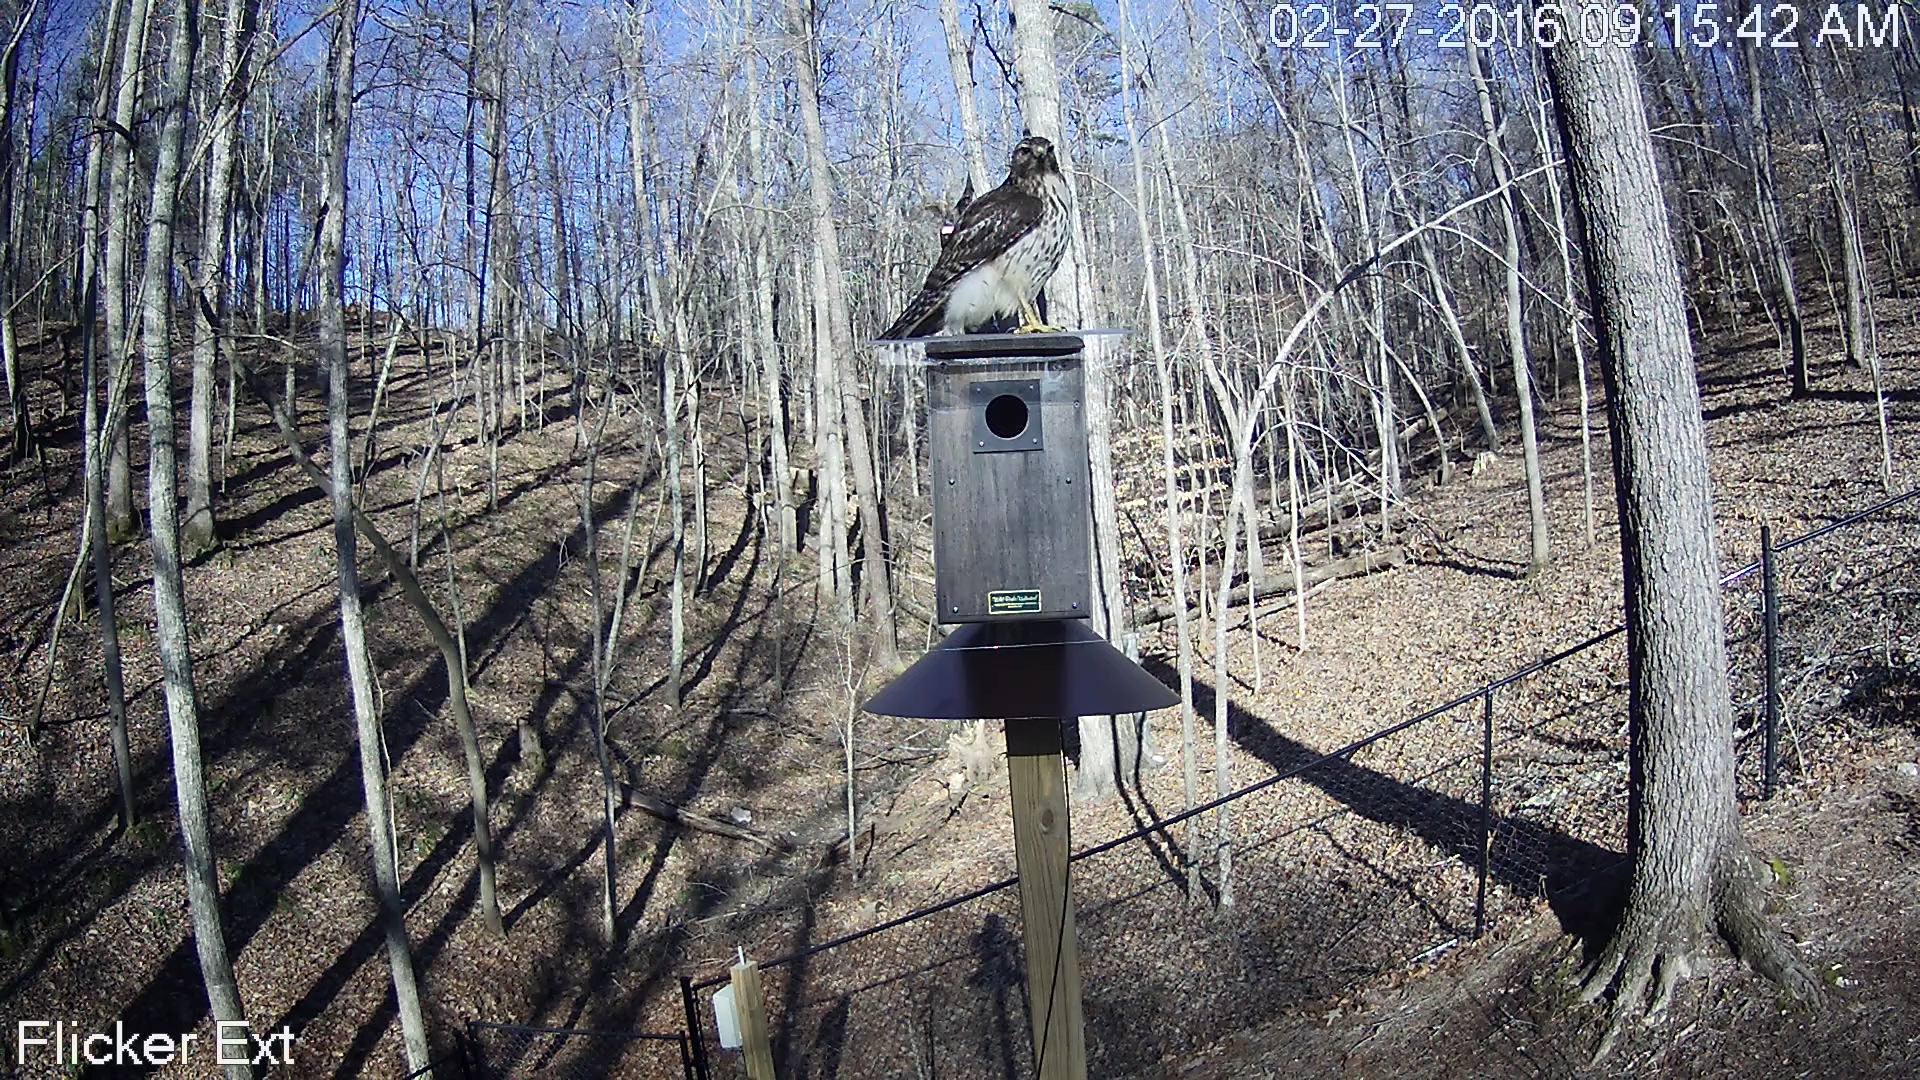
<point x="336" y="124"/>
<point x="1691" y="871"/>
<point x="169" y="593"/>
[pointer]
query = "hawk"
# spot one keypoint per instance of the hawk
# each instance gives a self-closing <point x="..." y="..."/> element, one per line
<point x="1000" y="254"/>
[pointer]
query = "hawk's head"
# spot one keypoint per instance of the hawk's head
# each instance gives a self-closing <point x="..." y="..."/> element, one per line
<point x="1032" y="159"/>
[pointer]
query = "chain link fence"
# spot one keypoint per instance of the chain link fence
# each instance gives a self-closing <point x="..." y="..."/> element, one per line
<point x="1349" y="865"/>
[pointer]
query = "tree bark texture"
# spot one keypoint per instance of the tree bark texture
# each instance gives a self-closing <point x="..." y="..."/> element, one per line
<point x="1690" y="870"/>
<point x="169" y="592"/>
<point x="336" y="125"/>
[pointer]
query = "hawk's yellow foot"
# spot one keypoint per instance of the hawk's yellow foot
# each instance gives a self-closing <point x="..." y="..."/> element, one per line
<point x="1030" y="321"/>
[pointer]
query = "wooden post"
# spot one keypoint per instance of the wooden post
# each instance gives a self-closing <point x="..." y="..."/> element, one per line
<point x="751" y="1005"/>
<point x="1040" y="848"/>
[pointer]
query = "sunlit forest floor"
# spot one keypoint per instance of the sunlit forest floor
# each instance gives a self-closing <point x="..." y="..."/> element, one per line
<point x="1348" y="948"/>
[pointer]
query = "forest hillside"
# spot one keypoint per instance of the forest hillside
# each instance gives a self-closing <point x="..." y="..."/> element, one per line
<point x="453" y="514"/>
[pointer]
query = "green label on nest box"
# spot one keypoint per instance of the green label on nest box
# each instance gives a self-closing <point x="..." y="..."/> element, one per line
<point x="1013" y="601"/>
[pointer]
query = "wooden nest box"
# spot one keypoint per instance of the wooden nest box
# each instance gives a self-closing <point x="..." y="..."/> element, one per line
<point x="1007" y="458"/>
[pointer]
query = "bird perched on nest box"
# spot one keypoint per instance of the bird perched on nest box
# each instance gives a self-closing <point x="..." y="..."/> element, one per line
<point x="1000" y="254"/>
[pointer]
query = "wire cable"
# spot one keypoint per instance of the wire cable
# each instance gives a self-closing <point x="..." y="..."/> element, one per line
<point x="1162" y="825"/>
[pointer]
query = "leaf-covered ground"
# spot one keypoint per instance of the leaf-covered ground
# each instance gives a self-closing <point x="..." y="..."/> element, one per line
<point x="1350" y="941"/>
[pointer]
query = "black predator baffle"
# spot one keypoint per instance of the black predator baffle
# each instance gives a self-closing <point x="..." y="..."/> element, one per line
<point x="1012" y="520"/>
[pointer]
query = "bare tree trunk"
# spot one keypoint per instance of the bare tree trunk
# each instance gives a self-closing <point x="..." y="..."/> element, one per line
<point x="1575" y="325"/>
<point x="497" y="256"/>
<point x="121" y="200"/>
<point x="840" y="335"/>
<point x="1222" y="690"/>
<point x="1516" y="325"/>
<point x="683" y="354"/>
<point x="830" y="498"/>
<point x="1853" y="270"/>
<point x="1038" y="80"/>
<point x="960" y="61"/>
<point x="590" y="528"/>
<point x="1385" y="412"/>
<point x="1069" y="297"/>
<point x="1767" y="202"/>
<point x="1290" y="415"/>
<point x="1692" y="874"/>
<point x="676" y="481"/>
<point x="199" y="532"/>
<point x="768" y="348"/>
<point x="336" y="124"/>
<point x="566" y="273"/>
<point x="1176" y="545"/>
<point x="652" y="345"/>
<point x="1449" y="315"/>
<point x="257" y="192"/>
<point x="1458" y="335"/>
<point x="21" y="443"/>
<point x="92" y="427"/>
<point x="450" y="641"/>
<point x="169" y="594"/>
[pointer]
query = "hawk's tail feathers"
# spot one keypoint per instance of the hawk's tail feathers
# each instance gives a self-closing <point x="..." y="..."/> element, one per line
<point x="922" y="317"/>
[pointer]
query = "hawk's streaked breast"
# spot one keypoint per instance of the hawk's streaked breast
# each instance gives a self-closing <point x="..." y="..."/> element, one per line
<point x="1001" y="252"/>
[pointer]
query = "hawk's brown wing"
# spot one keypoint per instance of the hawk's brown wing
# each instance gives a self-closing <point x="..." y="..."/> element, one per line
<point x="991" y="224"/>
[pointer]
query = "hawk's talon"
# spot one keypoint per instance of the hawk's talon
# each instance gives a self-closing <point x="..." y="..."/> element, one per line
<point x="1030" y="320"/>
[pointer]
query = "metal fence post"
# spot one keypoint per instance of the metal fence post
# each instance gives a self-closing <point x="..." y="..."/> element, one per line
<point x="1486" y="812"/>
<point x="1770" y="638"/>
<point x="475" y="1053"/>
<point x="696" y="1034"/>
